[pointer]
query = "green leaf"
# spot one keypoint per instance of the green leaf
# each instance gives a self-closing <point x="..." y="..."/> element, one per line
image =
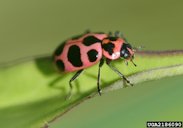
<point x="32" y="93"/>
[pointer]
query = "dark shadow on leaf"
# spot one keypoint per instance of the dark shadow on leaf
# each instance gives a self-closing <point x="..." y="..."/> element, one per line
<point x="23" y="115"/>
<point x="95" y="77"/>
<point x="46" y="65"/>
<point x="55" y="84"/>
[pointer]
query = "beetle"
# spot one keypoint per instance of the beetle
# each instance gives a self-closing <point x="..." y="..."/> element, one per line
<point x="86" y="50"/>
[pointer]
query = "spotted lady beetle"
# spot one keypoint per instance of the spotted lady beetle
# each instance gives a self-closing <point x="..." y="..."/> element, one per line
<point x="84" y="51"/>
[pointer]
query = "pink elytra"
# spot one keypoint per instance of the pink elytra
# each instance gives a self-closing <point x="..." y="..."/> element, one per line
<point x="81" y="52"/>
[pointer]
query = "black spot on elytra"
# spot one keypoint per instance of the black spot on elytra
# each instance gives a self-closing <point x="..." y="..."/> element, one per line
<point x="74" y="56"/>
<point x="128" y="45"/>
<point x="60" y="65"/>
<point x="89" y="40"/>
<point x="92" y="55"/>
<point x="108" y="47"/>
<point x="112" y="38"/>
<point x="59" y="49"/>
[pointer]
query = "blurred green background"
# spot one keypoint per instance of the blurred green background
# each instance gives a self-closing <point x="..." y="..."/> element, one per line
<point x="29" y="28"/>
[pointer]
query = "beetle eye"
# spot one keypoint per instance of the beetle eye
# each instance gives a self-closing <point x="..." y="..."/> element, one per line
<point x="123" y="52"/>
<point x="125" y="55"/>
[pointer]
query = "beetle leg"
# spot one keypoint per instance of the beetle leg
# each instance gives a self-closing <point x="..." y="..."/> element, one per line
<point x="121" y="35"/>
<point x="117" y="71"/>
<point x="126" y="62"/>
<point x="71" y="80"/>
<point x="110" y="34"/>
<point x="117" y="34"/>
<point x="98" y="79"/>
<point x="87" y="31"/>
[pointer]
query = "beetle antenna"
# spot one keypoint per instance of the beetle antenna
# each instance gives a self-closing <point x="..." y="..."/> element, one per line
<point x="138" y="48"/>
